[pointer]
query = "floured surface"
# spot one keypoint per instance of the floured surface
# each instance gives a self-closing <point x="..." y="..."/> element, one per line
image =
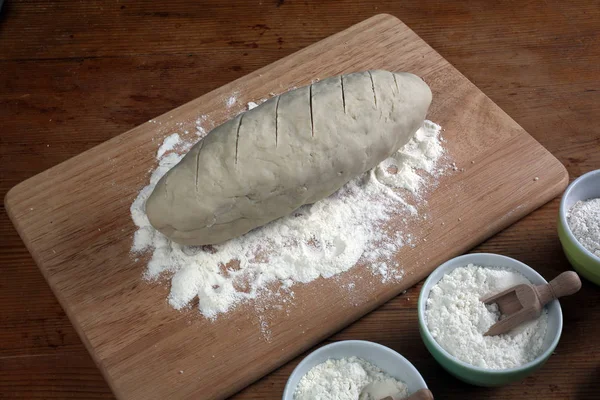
<point x="317" y="240"/>
<point x="75" y="220"/>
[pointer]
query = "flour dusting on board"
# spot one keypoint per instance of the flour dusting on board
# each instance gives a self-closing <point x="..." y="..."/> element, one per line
<point x="319" y="240"/>
<point x="231" y="100"/>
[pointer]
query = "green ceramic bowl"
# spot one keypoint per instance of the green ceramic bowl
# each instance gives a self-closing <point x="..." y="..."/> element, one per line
<point x="470" y="373"/>
<point x="585" y="263"/>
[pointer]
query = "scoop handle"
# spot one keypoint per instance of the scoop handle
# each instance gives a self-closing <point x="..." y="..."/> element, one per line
<point x="422" y="394"/>
<point x="564" y="284"/>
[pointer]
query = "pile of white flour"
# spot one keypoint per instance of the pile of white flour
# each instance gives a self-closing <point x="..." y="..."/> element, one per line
<point x="348" y="379"/>
<point x="318" y="240"/>
<point x="457" y="319"/>
<point x="584" y="221"/>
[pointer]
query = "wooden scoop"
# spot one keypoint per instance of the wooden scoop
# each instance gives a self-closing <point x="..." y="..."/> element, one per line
<point x="524" y="302"/>
<point x="423" y="394"/>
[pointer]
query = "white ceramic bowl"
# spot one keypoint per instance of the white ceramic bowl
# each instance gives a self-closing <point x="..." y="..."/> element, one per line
<point x="383" y="357"/>
<point x="470" y="373"/>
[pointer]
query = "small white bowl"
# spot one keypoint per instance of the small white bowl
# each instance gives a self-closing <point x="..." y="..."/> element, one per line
<point x="470" y="373"/>
<point x="383" y="357"/>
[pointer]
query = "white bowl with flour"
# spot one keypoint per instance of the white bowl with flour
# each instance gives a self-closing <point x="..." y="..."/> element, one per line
<point x="386" y="359"/>
<point x="478" y="375"/>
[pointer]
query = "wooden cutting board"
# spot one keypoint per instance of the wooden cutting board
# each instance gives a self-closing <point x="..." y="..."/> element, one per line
<point x="74" y="219"/>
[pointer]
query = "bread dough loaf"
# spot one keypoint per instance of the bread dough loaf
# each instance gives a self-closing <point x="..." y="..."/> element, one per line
<point x="294" y="149"/>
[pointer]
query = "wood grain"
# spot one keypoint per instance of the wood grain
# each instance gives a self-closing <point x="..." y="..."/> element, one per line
<point x="537" y="60"/>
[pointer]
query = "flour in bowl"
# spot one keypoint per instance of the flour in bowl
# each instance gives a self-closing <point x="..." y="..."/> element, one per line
<point x="584" y="222"/>
<point x="348" y="379"/>
<point x="457" y="319"/>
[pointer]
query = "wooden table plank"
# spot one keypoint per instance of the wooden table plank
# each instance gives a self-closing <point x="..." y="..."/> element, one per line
<point x="538" y="60"/>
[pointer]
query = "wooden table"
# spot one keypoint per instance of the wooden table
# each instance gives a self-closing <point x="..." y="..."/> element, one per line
<point x="74" y="74"/>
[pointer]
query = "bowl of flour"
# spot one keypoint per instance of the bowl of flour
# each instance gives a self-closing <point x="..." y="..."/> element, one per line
<point x="352" y="370"/>
<point x="579" y="225"/>
<point x="452" y="321"/>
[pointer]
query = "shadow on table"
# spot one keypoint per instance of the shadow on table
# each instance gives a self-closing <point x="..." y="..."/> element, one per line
<point x="3" y="10"/>
<point x="591" y="388"/>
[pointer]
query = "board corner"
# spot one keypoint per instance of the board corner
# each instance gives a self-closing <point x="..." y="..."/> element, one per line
<point x="564" y="176"/>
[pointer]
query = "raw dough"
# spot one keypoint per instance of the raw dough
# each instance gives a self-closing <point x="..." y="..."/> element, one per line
<point x="294" y="149"/>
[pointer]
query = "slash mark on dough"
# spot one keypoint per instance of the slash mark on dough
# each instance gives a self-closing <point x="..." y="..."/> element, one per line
<point x="312" y="125"/>
<point x="166" y="191"/>
<point x="237" y="138"/>
<point x="373" y="88"/>
<point x="343" y="93"/>
<point x="276" y="118"/>
<point x="198" y="163"/>
<point x="396" y="82"/>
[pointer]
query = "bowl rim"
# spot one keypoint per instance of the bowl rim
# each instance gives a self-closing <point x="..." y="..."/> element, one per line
<point x="498" y="372"/>
<point x="364" y="343"/>
<point x="562" y="212"/>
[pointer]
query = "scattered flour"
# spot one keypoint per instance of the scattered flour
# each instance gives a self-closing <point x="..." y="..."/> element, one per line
<point x="168" y="144"/>
<point x="254" y="104"/>
<point x="318" y="240"/>
<point x="173" y="143"/>
<point x="348" y="379"/>
<point x="201" y="128"/>
<point x="423" y="153"/>
<point x="457" y="319"/>
<point x="231" y="100"/>
<point x="584" y="222"/>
